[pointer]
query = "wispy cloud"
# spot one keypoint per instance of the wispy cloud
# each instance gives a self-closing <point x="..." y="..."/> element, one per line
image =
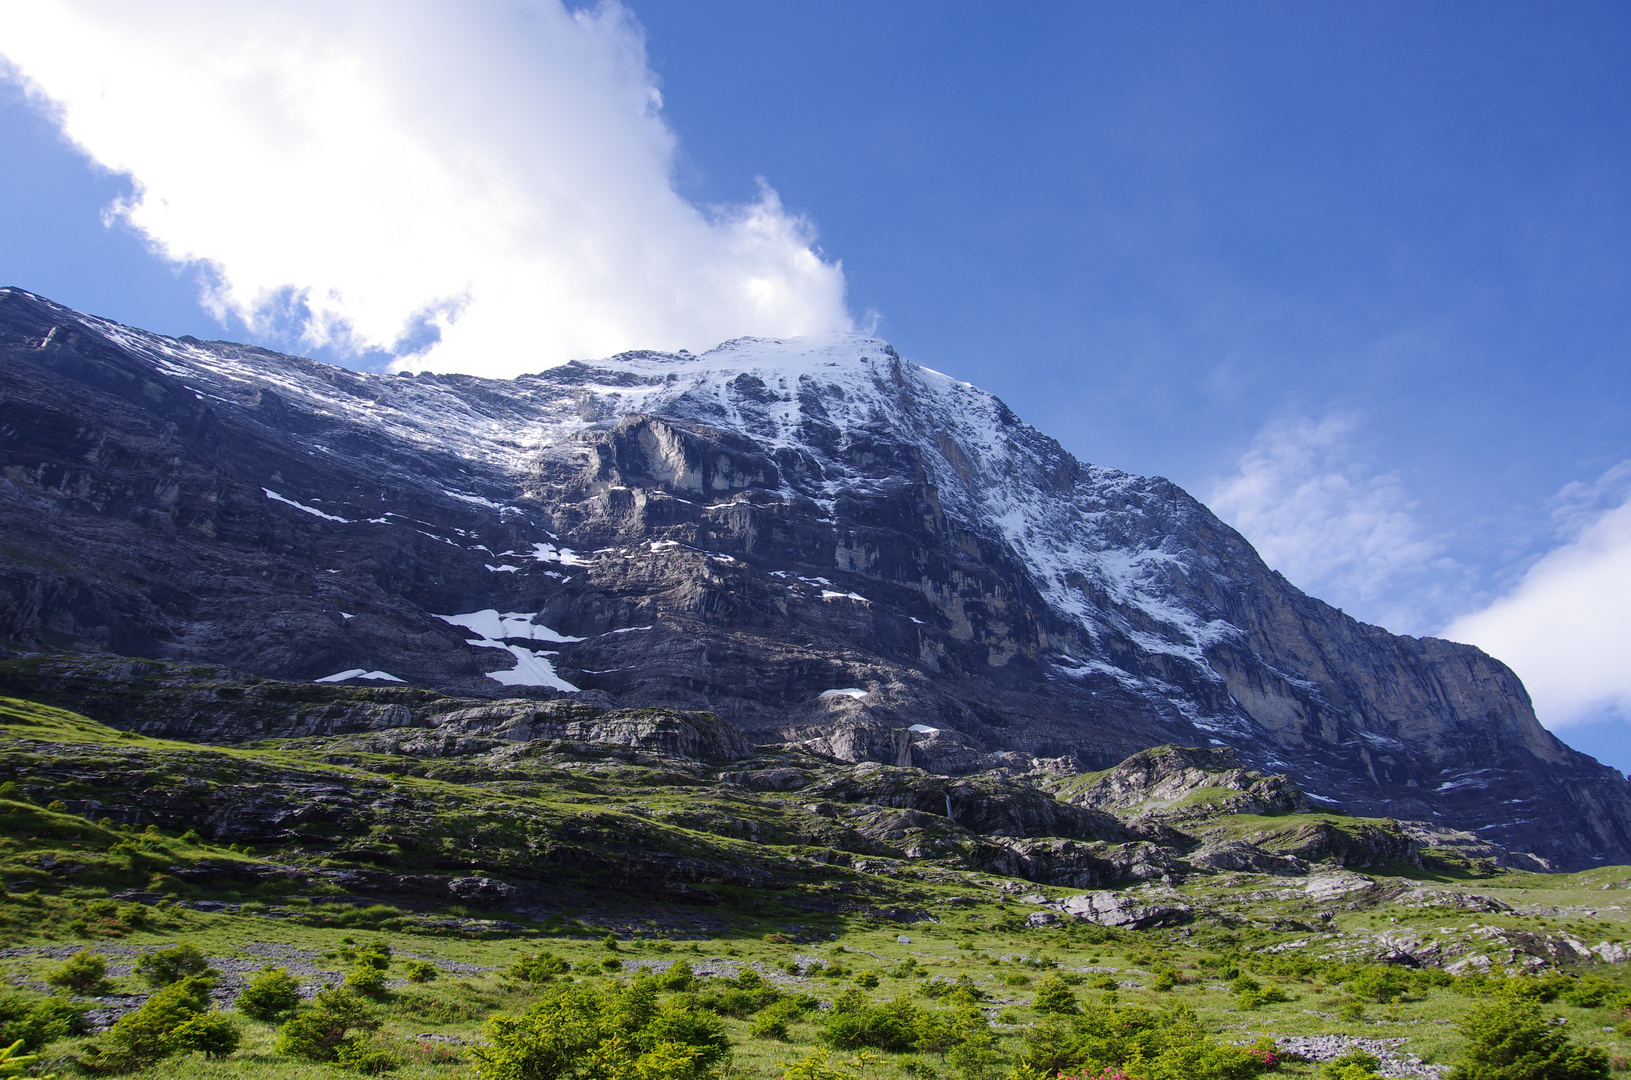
<point x="1333" y="527"/>
<point x="485" y="184"/>
<point x="1565" y="628"/>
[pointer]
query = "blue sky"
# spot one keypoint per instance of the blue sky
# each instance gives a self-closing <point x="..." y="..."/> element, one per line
<point x="1358" y="275"/>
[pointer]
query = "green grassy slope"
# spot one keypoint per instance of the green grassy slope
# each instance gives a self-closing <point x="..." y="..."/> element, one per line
<point x="295" y="851"/>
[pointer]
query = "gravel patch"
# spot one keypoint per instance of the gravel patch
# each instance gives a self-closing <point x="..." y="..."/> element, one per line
<point x="1394" y="1064"/>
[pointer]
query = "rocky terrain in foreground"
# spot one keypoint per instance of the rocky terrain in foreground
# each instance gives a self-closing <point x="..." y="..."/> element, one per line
<point x="386" y="836"/>
<point x="530" y="807"/>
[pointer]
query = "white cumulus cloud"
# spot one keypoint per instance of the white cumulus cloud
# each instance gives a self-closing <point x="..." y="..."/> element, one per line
<point x="492" y="177"/>
<point x="1333" y="527"/>
<point x="1565" y="628"/>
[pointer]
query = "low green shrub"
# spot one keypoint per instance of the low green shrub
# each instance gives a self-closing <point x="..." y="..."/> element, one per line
<point x="212" y="1033"/>
<point x="166" y="966"/>
<point x="335" y="1017"/>
<point x="38" y="1021"/>
<point x="1105" y="1039"/>
<point x="1249" y="993"/>
<point x="975" y="1056"/>
<point x="964" y="991"/>
<point x="1595" y="992"/>
<point x="740" y="997"/>
<point x="367" y="980"/>
<point x="773" y="1021"/>
<point x="270" y="996"/>
<point x="148" y="1034"/>
<point x="1511" y="1039"/>
<point x="818" y="1064"/>
<point x="679" y="976"/>
<point x="421" y="971"/>
<point x="1354" y="1065"/>
<point x="854" y="1022"/>
<point x="85" y="973"/>
<point x="620" y="1033"/>
<point x="1381" y="984"/>
<point x="376" y="954"/>
<point x="1054" y="996"/>
<point x="371" y="1054"/>
<point x="538" y="968"/>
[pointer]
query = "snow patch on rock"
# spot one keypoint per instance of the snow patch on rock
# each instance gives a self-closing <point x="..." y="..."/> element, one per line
<point x="312" y="510"/>
<point x="359" y="673"/>
<point x="550" y="553"/>
<point x="496" y="630"/>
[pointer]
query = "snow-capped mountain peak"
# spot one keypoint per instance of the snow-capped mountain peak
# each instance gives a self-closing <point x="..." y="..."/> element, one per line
<point x="814" y="538"/>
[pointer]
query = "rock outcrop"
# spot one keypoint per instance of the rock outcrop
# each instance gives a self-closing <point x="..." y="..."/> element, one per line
<point x="1173" y="783"/>
<point x="1125" y="909"/>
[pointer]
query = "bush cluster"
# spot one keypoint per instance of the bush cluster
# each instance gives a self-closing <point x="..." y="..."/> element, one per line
<point x="1511" y="1039"/>
<point x="368" y="975"/>
<point x="333" y="1027"/>
<point x="271" y="995"/>
<point x="964" y="991"/>
<point x="1354" y="1065"/>
<point x="1249" y="993"/>
<point x="84" y="973"/>
<point x="1168" y="1045"/>
<point x="617" y="1033"/>
<point x="106" y="918"/>
<point x="853" y="1022"/>
<point x="679" y="976"/>
<point x="612" y="1029"/>
<point x="163" y="967"/>
<point x="177" y="1017"/>
<point x="421" y="971"/>
<point x="1053" y="996"/>
<point x="36" y="1021"/>
<point x="772" y="1022"/>
<point x="739" y="997"/>
<point x="537" y="968"/>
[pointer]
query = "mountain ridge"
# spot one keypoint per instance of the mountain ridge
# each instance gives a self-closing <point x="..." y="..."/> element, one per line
<point x="813" y="539"/>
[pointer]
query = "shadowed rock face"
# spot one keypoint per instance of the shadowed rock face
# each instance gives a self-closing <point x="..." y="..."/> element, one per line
<point x="814" y="540"/>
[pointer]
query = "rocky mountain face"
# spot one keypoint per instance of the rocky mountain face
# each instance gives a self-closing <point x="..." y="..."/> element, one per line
<point x="815" y="540"/>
